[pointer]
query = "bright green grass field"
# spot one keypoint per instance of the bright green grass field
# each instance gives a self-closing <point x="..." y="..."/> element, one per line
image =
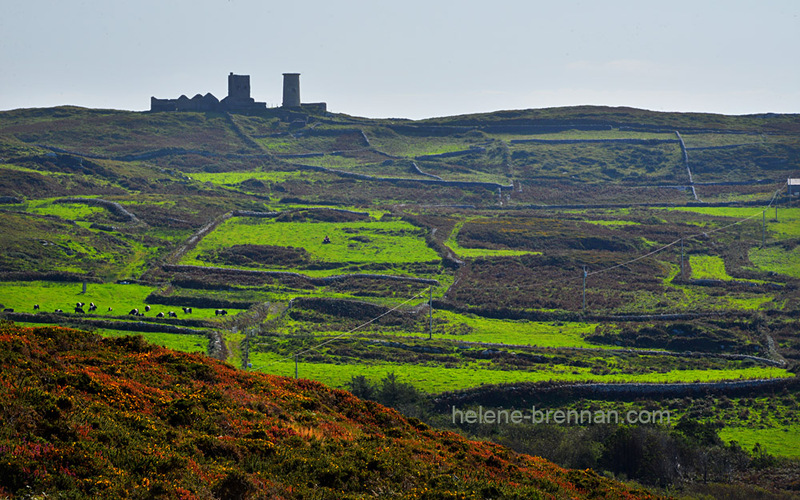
<point x="22" y="295"/>
<point x="708" y="267"/>
<point x="436" y="379"/>
<point x="68" y="211"/>
<point x="713" y="268"/>
<point x="776" y="259"/>
<point x="781" y="441"/>
<point x="532" y="333"/>
<point x="233" y="178"/>
<point x="388" y="242"/>
<point x="174" y="341"/>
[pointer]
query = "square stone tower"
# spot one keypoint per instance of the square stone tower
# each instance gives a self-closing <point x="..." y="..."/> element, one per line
<point x="239" y="87"/>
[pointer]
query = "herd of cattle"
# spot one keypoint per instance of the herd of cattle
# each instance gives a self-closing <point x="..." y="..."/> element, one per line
<point x="133" y="312"/>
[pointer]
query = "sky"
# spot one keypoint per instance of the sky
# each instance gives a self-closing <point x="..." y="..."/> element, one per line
<point x="407" y="59"/>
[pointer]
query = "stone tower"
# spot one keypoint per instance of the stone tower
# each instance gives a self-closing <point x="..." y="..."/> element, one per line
<point x="291" y="90"/>
<point x="239" y="87"/>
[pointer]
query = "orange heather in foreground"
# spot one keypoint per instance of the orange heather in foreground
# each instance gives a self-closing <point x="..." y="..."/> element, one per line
<point x="90" y="417"/>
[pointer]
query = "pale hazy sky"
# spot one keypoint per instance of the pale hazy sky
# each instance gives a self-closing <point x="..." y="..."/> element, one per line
<point x="407" y="58"/>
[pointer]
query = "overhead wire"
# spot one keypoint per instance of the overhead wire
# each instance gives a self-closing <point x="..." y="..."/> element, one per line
<point x="294" y="355"/>
<point x="342" y="335"/>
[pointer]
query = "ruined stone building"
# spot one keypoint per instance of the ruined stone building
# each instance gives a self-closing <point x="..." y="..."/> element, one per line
<point x="238" y="99"/>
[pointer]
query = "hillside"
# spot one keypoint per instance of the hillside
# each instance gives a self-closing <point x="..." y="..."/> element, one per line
<point x="86" y="417"/>
<point x="505" y="259"/>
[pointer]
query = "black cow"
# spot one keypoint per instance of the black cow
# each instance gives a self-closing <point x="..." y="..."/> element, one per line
<point x="134" y="312"/>
<point x="187" y="310"/>
<point x="146" y="308"/>
<point x="171" y="314"/>
<point x="36" y="307"/>
<point x="160" y="315"/>
<point x="220" y="312"/>
<point x="110" y="309"/>
<point x="80" y="310"/>
<point x="59" y="311"/>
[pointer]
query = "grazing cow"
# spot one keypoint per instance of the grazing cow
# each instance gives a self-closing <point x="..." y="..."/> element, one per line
<point x="92" y="307"/>
<point x="146" y="308"/>
<point x="140" y="314"/>
<point x="220" y="312"/>
<point x="8" y="310"/>
<point x="79" y="304"/>
<point x="134" y="312"/>
<point x="36" y="307"/>
<point x="187" y="310"/>
<point x="110" y="309"/>
<point x="59" y="311"/>
<point x="80" y="310"/>
<point x="171" y="314"/>
<point x="160" y="315"/>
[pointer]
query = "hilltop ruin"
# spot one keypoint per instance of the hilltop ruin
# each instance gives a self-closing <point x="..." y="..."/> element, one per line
<point x="238" y="99"/>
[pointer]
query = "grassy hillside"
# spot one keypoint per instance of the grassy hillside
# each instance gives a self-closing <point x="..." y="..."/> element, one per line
<point x="87" y="417"/>
<point x="680" y="222"/>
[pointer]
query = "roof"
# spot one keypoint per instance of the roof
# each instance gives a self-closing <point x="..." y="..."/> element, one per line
<point x="794" y="182"/>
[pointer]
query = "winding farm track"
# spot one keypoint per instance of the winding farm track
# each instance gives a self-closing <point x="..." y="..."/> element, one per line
<point x="686" y="163"/>
<point x="193" y="240"/>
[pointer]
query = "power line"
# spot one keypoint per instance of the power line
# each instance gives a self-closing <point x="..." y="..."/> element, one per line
<point x="360" y="326"/>
<point x="294" y="356"/>
<point x="694" y="236"/>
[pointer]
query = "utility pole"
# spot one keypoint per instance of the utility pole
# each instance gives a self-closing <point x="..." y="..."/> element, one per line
<point x="246" y="350"/>
<point x="430" y="303"/>
<point x="683" y="276"/>
<point x="584" y="288"/>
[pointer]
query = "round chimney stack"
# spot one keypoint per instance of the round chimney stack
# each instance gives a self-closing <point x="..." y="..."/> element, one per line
<point x="291" y="90"/>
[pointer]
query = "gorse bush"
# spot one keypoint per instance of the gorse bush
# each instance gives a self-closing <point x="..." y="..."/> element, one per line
<point x="87" y="417"/>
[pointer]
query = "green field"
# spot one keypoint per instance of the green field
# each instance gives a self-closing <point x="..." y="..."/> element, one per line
<point x="178" y="342"/>
<point x="776" y="259"/>
<point x="788" y="225"/>
<point x="708" y="267"/>
<point x="69" y="211"/>
<point x="780" y="441"/>
<point x="393" y="242"/>
<point x="400" y="145"/>
<point x="434" y="379"/>
<point x="533" y="333"/>
<point x="235" y="178"/>
<point x="22" y="295"/>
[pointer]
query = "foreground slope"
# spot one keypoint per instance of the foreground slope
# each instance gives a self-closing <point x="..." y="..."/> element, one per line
<point x="92" y="417"/>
